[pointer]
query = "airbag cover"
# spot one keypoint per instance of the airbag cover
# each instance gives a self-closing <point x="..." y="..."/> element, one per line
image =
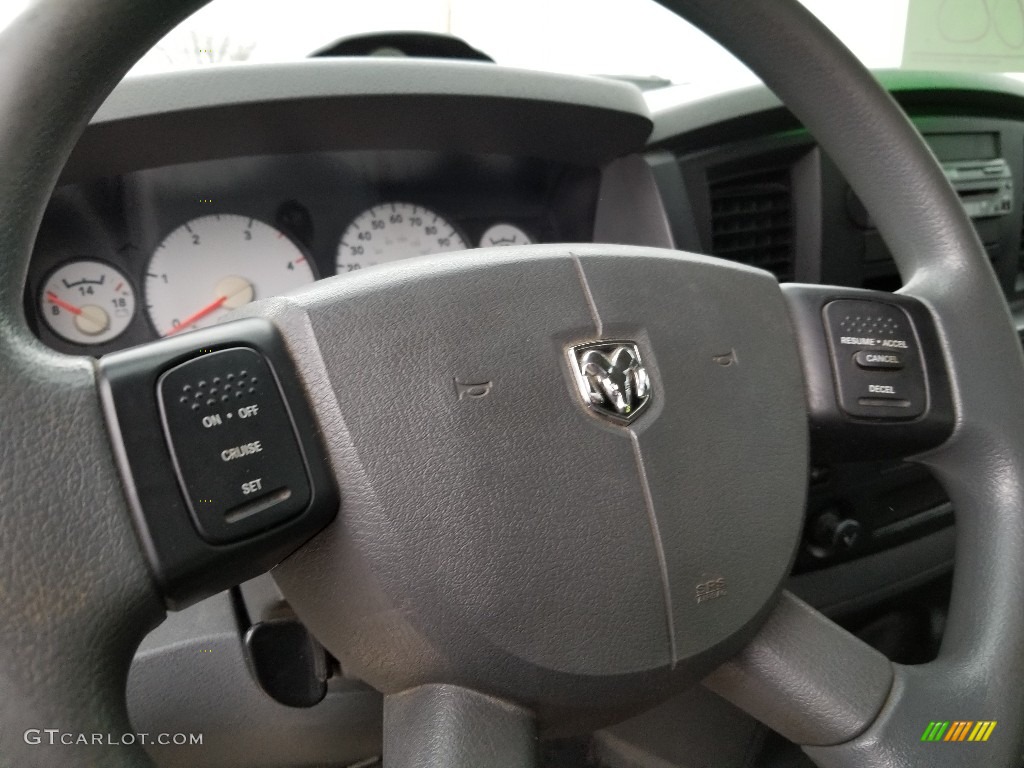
<point x="499" y="533"/>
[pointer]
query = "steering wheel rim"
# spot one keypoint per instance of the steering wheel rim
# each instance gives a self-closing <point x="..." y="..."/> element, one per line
<point x="88" y="553"/>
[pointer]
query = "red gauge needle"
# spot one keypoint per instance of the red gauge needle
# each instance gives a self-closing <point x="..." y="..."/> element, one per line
<point x="211" y="307"/>
<point x="54" y="299"/>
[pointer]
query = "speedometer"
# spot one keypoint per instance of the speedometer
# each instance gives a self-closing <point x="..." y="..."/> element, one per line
<point x="392" y="231"/>
<point x="213" y="264"/>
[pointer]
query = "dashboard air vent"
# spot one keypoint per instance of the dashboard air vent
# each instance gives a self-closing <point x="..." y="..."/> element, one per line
<point x="752" y="221"/>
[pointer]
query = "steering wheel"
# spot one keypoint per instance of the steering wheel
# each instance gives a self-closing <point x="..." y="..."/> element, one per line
<point x="610" y="512"/>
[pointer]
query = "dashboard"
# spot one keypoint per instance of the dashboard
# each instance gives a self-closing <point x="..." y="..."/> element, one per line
<point x="125" y="259"/>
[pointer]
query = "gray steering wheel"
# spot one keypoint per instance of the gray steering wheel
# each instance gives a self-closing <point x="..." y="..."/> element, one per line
<point x="499" y="565"/>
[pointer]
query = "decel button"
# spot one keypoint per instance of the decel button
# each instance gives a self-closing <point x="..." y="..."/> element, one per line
<point x="233" y="442"/>
<point x="883" y="395"/>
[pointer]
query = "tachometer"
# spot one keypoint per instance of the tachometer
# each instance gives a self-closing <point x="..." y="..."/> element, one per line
<point x="392" y="231"/>
<point x="213" y="264"/>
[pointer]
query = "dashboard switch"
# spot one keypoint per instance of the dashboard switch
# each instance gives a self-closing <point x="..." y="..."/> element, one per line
<point x="233" y="444"/>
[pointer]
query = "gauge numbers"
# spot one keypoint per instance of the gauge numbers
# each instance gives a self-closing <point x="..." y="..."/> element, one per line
<point x="392" y="231"/>
<point x="87" y="302"/>
<point x="213" y="264"/>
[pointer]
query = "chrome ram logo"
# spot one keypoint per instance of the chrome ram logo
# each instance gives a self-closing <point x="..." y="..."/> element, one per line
<point x="611" y="378"/>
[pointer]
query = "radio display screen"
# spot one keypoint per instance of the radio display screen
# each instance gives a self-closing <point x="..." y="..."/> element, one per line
<point x="954" y="147"/>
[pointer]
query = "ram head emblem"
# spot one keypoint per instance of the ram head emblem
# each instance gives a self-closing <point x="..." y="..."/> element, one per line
<point x="611" y="378"/>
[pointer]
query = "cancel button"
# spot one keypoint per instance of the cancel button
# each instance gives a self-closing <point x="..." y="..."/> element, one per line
<point x="873" y="361"/>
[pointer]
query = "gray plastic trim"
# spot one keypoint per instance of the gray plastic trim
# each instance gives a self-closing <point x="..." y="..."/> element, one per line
<point x="146" y="95"/>
<point x="675" y="197"/>
<point x="190" y="675"/>
<point x="629" y="207"/>
<point x="346" y="104"/>
<point x="860" y="583"/>
<point x="678" y="119"/>
<point x="695" y="729"/>
<point x="444" y="725"/>
<point x="808" y="224"/>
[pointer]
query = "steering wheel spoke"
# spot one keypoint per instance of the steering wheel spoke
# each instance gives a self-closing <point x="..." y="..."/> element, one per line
<point x="446" y="725"/>
<point x="806" y="677"/>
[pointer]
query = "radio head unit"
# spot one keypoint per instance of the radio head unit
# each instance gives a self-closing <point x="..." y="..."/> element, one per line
<point x="985" y="187"/>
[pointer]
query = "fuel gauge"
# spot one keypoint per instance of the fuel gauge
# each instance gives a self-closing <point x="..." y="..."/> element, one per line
<point x="87" y="302"/>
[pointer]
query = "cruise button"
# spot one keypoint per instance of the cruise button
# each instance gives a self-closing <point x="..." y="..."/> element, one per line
<point x="878" y="361"/>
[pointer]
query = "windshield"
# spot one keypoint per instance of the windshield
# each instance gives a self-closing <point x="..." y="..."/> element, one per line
<point x="638" y="39"/>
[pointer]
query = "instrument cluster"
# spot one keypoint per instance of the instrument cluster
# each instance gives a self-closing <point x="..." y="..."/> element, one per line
<point x="124" y="260"/>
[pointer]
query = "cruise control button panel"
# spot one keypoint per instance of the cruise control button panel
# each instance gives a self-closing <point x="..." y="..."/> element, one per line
<point x="876" y="360"/>
<point x="221" y="454"/>
<point x="233" y="443"/>
<point x="874" y="371"/>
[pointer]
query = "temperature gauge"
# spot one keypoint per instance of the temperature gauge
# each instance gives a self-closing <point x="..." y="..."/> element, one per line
<point x="504" y="234"/>
<point x="87" y="302"/>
